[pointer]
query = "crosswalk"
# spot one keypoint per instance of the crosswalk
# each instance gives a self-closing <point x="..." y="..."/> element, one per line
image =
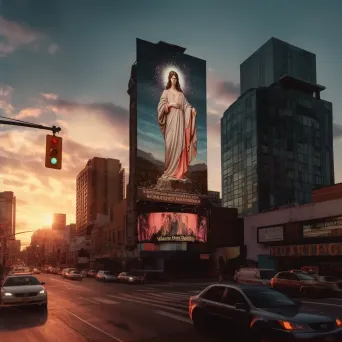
<point x="169" y="304"/>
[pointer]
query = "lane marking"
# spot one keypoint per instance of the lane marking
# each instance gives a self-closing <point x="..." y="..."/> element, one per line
<point x="89" y="300"/>
<point x="66" y="284"/>
<point x="91" y="325"/>
<point x="175" y="296"/>
<point x="104" y="300"/>
<point x="157" y="301"/>
<point x="196" y="292"/>
<point x="166" y="298"/>
<point x="178" y="318"/>
<point x="153" y="304"/>
<point x="324" y="304"/>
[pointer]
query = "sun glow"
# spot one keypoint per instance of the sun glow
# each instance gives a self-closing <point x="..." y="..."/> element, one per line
<point x="47" y="220"/>
<point x="178" y="71"/>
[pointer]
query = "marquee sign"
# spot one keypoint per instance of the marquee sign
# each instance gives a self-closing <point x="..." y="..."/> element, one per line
<point x="320" y="249"/>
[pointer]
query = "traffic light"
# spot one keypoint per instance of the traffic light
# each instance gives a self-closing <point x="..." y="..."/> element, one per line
<point x="53" y="155"/>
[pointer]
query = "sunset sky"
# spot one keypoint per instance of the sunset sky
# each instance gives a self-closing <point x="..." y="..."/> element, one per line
<point x="67" y="62"/>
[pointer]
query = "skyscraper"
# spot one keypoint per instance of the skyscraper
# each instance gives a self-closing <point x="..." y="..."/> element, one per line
<point x="7" y="213"/>
<point x="276" y="139"/>
<point x="273" y="60"/>
<point x="98" y="186"/>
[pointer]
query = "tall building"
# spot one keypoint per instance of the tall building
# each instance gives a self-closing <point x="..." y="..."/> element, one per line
<point x="7" y="213"/>
<point x="214" y="198"/>
<point x="272" y="61"/>
<point x="59" y="222"/>
<point x="276" y="141"/>
<point x="98" y="186"/>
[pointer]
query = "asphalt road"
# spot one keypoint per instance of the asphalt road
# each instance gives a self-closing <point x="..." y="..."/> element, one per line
<point x="92" y="311"/>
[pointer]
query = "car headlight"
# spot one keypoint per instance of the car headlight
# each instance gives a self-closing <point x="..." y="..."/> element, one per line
<point x="8" y="294"/>
<point x="130" y="278"/>
<point x="42" y="292"/>
<point x="286" y="325"/>
<point x="339" y="323"/>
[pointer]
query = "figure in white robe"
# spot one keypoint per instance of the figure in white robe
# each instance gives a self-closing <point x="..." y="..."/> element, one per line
<point x="177" y="121"/>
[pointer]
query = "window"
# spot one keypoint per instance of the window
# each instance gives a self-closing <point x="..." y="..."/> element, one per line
<point x="214" y="293"/>
<point x="268" y="298"/>
<point x="232" y="297"/>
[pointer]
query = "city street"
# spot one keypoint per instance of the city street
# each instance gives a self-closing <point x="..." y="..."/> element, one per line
<point x="92" y="311"/>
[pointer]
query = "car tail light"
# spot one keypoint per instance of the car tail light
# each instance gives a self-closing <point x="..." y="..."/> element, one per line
<point x="339" y="323"/>
<point x="190" y="301"/>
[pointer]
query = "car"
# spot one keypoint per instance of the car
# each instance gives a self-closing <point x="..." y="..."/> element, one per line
<point x="261" y="276"/>
<point x="68" y="271"/>
<point x="106" y="276"/>
<point x="259" y="313"/>
<point x="299" y="284"/>
<point x="92" y="274"/>
<point x="74" y="275"/>
<point x="35" y="271"/>
<point x="131" y="278"/>
<point x="23" y="289"/>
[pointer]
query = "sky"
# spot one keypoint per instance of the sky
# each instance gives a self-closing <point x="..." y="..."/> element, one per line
<point x="68" y="63"/>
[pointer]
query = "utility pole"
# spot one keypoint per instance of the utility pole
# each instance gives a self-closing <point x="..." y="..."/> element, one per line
<point x="54" y="129"/>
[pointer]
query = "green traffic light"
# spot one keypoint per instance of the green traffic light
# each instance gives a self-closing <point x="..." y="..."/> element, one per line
<point x="53" y="161"/>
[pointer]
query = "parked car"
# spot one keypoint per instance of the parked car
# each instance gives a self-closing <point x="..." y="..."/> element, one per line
<point x="84" y="273"/>
<point x="258" y="276"/>
<point x="131" y="278"/>
<point x="73" y="275"/>
<point x="92" y="273"/>
<point x="258" y="313"/>
<point x="23" y="289"/>
<point x="106" y="276"/>
<point x="68" y="271"/>
<point x="296" y="284"/>
<point x="334" y="283"/>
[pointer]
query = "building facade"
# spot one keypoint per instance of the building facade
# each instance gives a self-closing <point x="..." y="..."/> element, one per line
<point x="214" y="198"/>
<point x="297" y="236"/>
<point x="7" y="213"/>
<point x="59" y="222"/>
<point x="98" y="186"/>
<point x="273" y="60"/>
<point x="276" y="146"/>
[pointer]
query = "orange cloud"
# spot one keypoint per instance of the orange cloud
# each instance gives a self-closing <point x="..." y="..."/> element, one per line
<point x="29" y="112"/>
<point x="5" y="99"/>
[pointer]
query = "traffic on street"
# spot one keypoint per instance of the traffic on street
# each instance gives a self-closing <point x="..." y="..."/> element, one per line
<point x="93" y="310"/>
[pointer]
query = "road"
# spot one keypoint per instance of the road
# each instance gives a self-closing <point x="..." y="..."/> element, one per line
<point x="93" y="311"/>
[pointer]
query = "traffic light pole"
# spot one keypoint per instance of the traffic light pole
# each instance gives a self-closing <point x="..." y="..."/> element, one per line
<point x="54" y="129"/>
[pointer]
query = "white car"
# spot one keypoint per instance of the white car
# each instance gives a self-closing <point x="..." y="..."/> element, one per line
<point x="19" y="290"/>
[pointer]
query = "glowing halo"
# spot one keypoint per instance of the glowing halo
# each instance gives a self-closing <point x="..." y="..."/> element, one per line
<point x="165" y="75"/>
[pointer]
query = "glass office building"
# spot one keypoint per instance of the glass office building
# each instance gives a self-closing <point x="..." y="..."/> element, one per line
<point x="276" y="146"/>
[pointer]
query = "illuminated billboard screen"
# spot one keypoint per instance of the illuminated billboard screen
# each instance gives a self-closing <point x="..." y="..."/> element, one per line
<point x="169" y="226"/>
<point x="171" y="163"/>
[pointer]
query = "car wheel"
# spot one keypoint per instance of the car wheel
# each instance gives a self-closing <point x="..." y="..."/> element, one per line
<point x="259" y="333"/>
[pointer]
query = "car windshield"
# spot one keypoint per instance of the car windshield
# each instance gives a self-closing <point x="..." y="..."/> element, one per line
<point x="267" y="274"/>
<point x="21" y="281"/>
<point x="304" y="276"/>
<point x="267" y="298"/>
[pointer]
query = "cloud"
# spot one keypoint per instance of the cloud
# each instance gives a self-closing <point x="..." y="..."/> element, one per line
<point x="6" y="92"/>
<point x="49" y="96"/>
<point x="88" y="130"/>
<point x="337" y="131"/>
<point x="53" y="48"/>
<point x="29" y="112"/>
<point x="16" y="35"/>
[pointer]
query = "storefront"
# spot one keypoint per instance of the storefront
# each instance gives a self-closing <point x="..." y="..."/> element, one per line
<point x="296" y="237"/>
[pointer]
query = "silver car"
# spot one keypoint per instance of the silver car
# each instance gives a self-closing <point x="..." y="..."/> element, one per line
<point x="19" y="290"/>
<point x="106" y="276"/>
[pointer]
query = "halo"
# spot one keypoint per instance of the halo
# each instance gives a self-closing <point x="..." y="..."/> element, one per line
<point x="165" y="75"/>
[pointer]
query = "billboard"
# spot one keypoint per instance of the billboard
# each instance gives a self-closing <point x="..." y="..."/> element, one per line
<point x="170" y="226"/>
<point x="171" y="164"/>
